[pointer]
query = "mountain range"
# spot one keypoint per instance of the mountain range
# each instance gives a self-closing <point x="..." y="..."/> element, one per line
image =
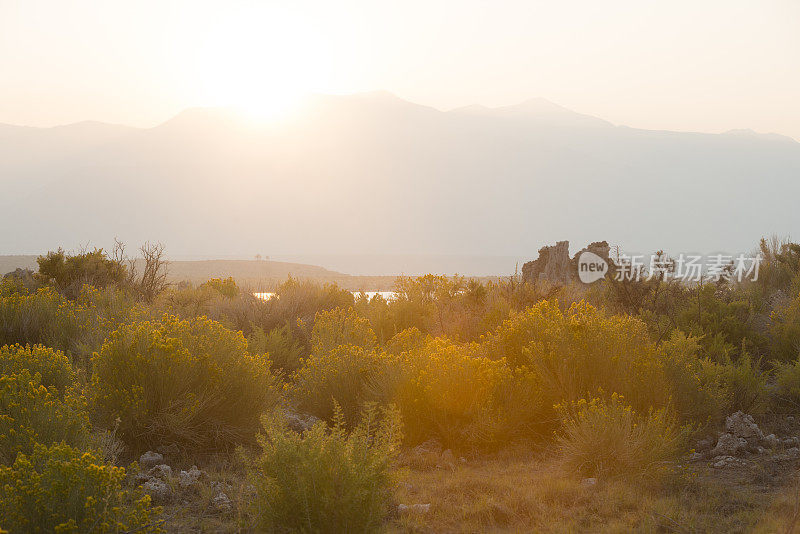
<point x="372" y="174"/>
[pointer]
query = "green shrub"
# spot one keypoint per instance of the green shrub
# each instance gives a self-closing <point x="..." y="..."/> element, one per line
<point x="70" y="273"/>
<point x="31" y="413"/>
<point x="226" y="287"/>
<point x="52" y="365"/>
<point x="340" y="327"/>
<point x="449" y="391"/>
<point x="785" y="397"/>
<point x="326" y="480"/>
<point x="76" y="327"/>
<point x="284" y="350"/>
<point x="578" y="353"/>
<point x="190" y="382"/>
<point x="608" y="438"/>
<point x="746" y="385"/>
<point x="699" y="389"/>
<point x="346" y="375"/>
<point x="60" y="489"/>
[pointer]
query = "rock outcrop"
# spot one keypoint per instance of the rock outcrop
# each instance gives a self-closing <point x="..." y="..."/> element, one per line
<point x="554" y="264"/>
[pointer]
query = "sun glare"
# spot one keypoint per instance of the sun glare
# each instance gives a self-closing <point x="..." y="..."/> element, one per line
<point x="264" y="65"/>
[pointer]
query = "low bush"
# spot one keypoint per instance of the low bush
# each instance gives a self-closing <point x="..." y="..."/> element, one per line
<point x="285" y="351"/>
<point x="31" y="413"/>
<point x="226" y="287"/>
<point x="449" y="391"/>
<point x="53" y="366"/>
<point x="348" y="375"/>
<point x="326" y="480"/>
<point x="60" y="489"/>
<point x="785" y="397"/>
<point x="608" y="438"/>
<point x="189" y="382"/>
<point x="338" y="327"/>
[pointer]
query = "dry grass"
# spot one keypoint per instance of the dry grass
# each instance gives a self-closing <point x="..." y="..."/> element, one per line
<point x="525" y="495"/>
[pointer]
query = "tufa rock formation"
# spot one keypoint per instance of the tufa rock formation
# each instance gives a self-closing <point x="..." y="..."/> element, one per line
<point x="555" y="266"/>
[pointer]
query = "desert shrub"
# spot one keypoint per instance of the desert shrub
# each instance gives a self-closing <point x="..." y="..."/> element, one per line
<point x="60" y="489"/>
<point x="31" y="413"/>
<point x="69" y="273"/>
<point x="190" y="382"/>
<point x="76" y="327"/>
<point x="298" y="301"/>
<point x="784" y="330"/>
<point x="577" y="353"/>
<point x="340" y="327"/>
<point x="746" y="385"/>
<point x="238" y="312"/>
<point x="408" y="340"/>
<point x="608" y="438"/>
<point x="326" y="480"/>
<point x="448" y="391"/>
<point x="284" y="350"/>
<point x="347" y="375"/>
<point x="721" y="318"/>
<point x="43" y="317"/>
<point x="699" y="390"/>
<point x="226" y="287"/>
<point x="785" y="397"/>
<point x="52" y="365"/>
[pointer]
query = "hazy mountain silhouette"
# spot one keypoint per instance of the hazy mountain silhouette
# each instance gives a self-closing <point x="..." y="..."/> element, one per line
<point x="374" y="174"/>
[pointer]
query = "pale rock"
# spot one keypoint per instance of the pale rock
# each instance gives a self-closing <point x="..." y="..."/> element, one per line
<point x="149" y="460"/>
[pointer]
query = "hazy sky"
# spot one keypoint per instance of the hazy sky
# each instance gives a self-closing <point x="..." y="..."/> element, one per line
<point x="685" y="65"/>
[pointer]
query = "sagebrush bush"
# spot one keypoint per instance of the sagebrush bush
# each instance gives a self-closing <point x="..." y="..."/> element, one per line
<point x="348" y="375"/>
<point x="61" y="489"/>
<point x="226" y="287"/>
<point x="608" y="438"/>
<point x="581" y="352"/>
<point x="448" y="391"/>
<point x="189" y="382"/>
<point x="31" y="413"/>
<point x="785" y="397"/>
<point x="326" y="479"/>
<point x="338" y="327"/>
<point x="284" y="350"/>
<point x="53" y="366"/>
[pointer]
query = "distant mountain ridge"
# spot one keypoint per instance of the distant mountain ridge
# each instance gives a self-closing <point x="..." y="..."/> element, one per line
<point x="374" y="174"/>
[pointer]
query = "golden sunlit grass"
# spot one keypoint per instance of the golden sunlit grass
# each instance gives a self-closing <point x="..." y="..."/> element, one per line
<point x="508" y="494"/>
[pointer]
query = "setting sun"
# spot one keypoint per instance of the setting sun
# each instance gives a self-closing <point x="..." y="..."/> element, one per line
<point x="262" y="63"/>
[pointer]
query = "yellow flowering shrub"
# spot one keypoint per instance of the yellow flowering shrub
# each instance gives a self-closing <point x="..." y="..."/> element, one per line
<point x="578" y="353"/>
<point x="76" y="327"/>
<point x="449" y="391"/>
<point x="53" y="366"/>
<point x="607" y="437"/>
<point x="189" y="382"/>
<point x="226" y="287"/>
<point x="348" y="375"/>
<point x="340" y="327"/>
<point x="31" y="413"/>
<point x="60" y="489"/>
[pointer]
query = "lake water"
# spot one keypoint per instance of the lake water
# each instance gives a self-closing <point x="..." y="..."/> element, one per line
<point x="387" y="295"/>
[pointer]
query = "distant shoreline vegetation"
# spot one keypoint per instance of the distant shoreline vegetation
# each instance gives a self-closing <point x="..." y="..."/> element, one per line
<point x="386" y="295"/>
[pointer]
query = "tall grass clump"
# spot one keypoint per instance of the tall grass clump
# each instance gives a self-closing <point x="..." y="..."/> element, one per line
<point x="188" y="382"/>
<point x="608" y="438"/>
<point x="61" y="489"/>
<point x="326" y="479"/>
